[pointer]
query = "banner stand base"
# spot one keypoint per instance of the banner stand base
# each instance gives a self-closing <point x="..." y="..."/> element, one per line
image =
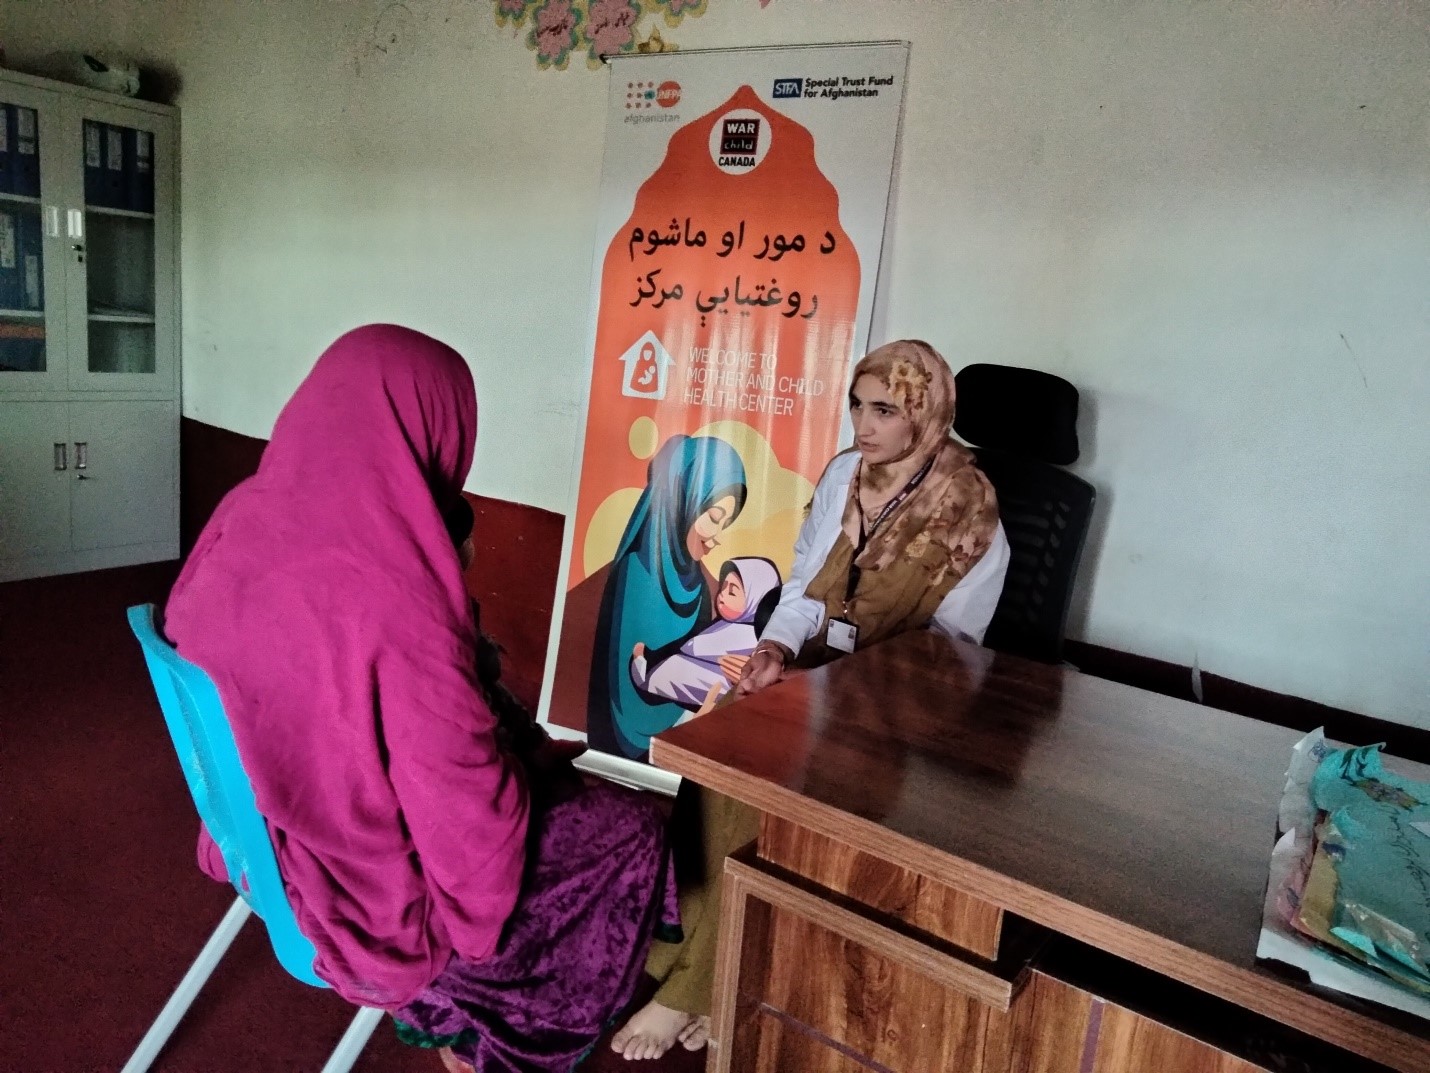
<point x="630" y="773"/>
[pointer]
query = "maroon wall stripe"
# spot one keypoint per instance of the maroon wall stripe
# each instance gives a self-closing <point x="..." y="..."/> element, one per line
<point x="519" y="552"/>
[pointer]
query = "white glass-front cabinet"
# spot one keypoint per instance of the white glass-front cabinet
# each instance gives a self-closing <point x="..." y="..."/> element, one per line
<point x="89" y="417"/>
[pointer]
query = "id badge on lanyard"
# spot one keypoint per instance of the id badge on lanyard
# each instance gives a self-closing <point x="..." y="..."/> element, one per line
<point x="842" y="635"/>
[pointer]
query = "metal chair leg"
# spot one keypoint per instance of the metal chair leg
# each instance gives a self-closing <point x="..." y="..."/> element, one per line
<point x="353" y="1041"/>
<point x="188" y="989"/>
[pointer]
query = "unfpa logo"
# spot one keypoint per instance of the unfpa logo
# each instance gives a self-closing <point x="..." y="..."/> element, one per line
<point x="789" y="87"/>
<point x="647" y="94"/>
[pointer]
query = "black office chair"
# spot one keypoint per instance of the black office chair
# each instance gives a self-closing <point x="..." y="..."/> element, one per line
<point x="1022" y="425"/>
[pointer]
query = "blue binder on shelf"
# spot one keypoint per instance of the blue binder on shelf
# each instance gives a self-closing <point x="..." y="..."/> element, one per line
<point x="13" y="358"/>
<point x="31" y="259"/>
<point x="9" y="258"/>
<point x="140" y="152"/>
<point x="93" y="163"/>
<point x="22" y="346"/>
<point x="25" y="152"/>
<point x="116" y="178"/>
<point x="7" y="145"/>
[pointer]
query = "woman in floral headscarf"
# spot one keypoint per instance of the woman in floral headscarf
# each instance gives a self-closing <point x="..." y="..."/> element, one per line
<point x="902" y="533"/>
<point x="903" y="530"/>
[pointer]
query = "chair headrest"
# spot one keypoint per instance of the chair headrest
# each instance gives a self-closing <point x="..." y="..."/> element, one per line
<point x="1021" y="411"/>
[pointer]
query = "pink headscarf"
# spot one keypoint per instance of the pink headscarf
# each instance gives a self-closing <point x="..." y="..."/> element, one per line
<point x="326" y="601"/>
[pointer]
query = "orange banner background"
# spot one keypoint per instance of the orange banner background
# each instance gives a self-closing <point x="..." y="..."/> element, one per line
<point x="758" y="368"/>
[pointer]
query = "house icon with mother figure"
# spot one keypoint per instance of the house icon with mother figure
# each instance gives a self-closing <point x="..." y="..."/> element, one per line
<point x="647" y="368"/>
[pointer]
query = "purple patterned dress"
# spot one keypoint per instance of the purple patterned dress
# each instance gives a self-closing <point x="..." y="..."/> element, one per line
<point x="598" y="888"/>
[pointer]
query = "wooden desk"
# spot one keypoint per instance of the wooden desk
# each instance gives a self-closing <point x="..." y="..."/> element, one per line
<point x="924" y="803"/>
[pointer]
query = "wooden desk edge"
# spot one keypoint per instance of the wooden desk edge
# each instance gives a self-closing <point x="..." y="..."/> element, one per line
<point x="1261" y="993"/>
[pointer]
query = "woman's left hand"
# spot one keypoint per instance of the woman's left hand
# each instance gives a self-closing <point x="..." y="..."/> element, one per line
<point x="766" y="667"/>
<point x="733" y="667"/>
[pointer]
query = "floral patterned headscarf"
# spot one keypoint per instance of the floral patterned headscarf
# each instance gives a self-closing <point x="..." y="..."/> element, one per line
<point x="936" y="535"/>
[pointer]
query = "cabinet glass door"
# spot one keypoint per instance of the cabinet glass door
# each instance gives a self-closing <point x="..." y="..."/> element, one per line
<point x="122" y="249"/>
<point x="32" y="356"/>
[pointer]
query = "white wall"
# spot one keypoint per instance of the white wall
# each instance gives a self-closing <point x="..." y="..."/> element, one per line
<point x="1213" y="217"/>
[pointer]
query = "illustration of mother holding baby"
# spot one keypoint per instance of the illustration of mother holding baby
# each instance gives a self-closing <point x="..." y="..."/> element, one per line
<point x="658" y="595"/>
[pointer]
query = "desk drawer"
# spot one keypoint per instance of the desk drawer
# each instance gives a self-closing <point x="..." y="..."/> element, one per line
<point x="925" y="904"/>
<point x="807" y="983"/>
<point x="804" y="972"/>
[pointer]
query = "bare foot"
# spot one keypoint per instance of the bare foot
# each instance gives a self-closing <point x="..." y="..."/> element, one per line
<point x="452" y="1063"/>
<point x="651" y="1032"/>
<point x="696" y="1034"/>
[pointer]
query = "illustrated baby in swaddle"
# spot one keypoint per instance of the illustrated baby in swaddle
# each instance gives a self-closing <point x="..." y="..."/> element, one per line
<point x="686" y="672"/>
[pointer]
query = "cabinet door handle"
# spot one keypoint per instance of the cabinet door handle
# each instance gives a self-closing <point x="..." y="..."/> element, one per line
<point x="81" y="455"/>
<point x="60" y="461"/>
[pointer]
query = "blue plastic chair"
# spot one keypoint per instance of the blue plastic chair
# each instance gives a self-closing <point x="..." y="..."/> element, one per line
<point x="224" y="798"/>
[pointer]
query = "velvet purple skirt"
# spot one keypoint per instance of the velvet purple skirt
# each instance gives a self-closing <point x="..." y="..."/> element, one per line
<point x="598" y="887"/>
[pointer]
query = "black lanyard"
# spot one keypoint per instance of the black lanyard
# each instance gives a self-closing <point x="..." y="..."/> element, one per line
<point x="892" y="505"/>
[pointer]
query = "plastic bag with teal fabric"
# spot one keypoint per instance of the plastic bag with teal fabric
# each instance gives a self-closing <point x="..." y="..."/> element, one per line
<point x="1379" y="841"/>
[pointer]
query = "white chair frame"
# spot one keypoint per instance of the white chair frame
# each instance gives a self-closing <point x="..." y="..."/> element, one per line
<point x="340" y="1061"/>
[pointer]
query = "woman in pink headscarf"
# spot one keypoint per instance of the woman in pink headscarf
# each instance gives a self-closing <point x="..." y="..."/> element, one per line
<point x="437" y="875"/>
